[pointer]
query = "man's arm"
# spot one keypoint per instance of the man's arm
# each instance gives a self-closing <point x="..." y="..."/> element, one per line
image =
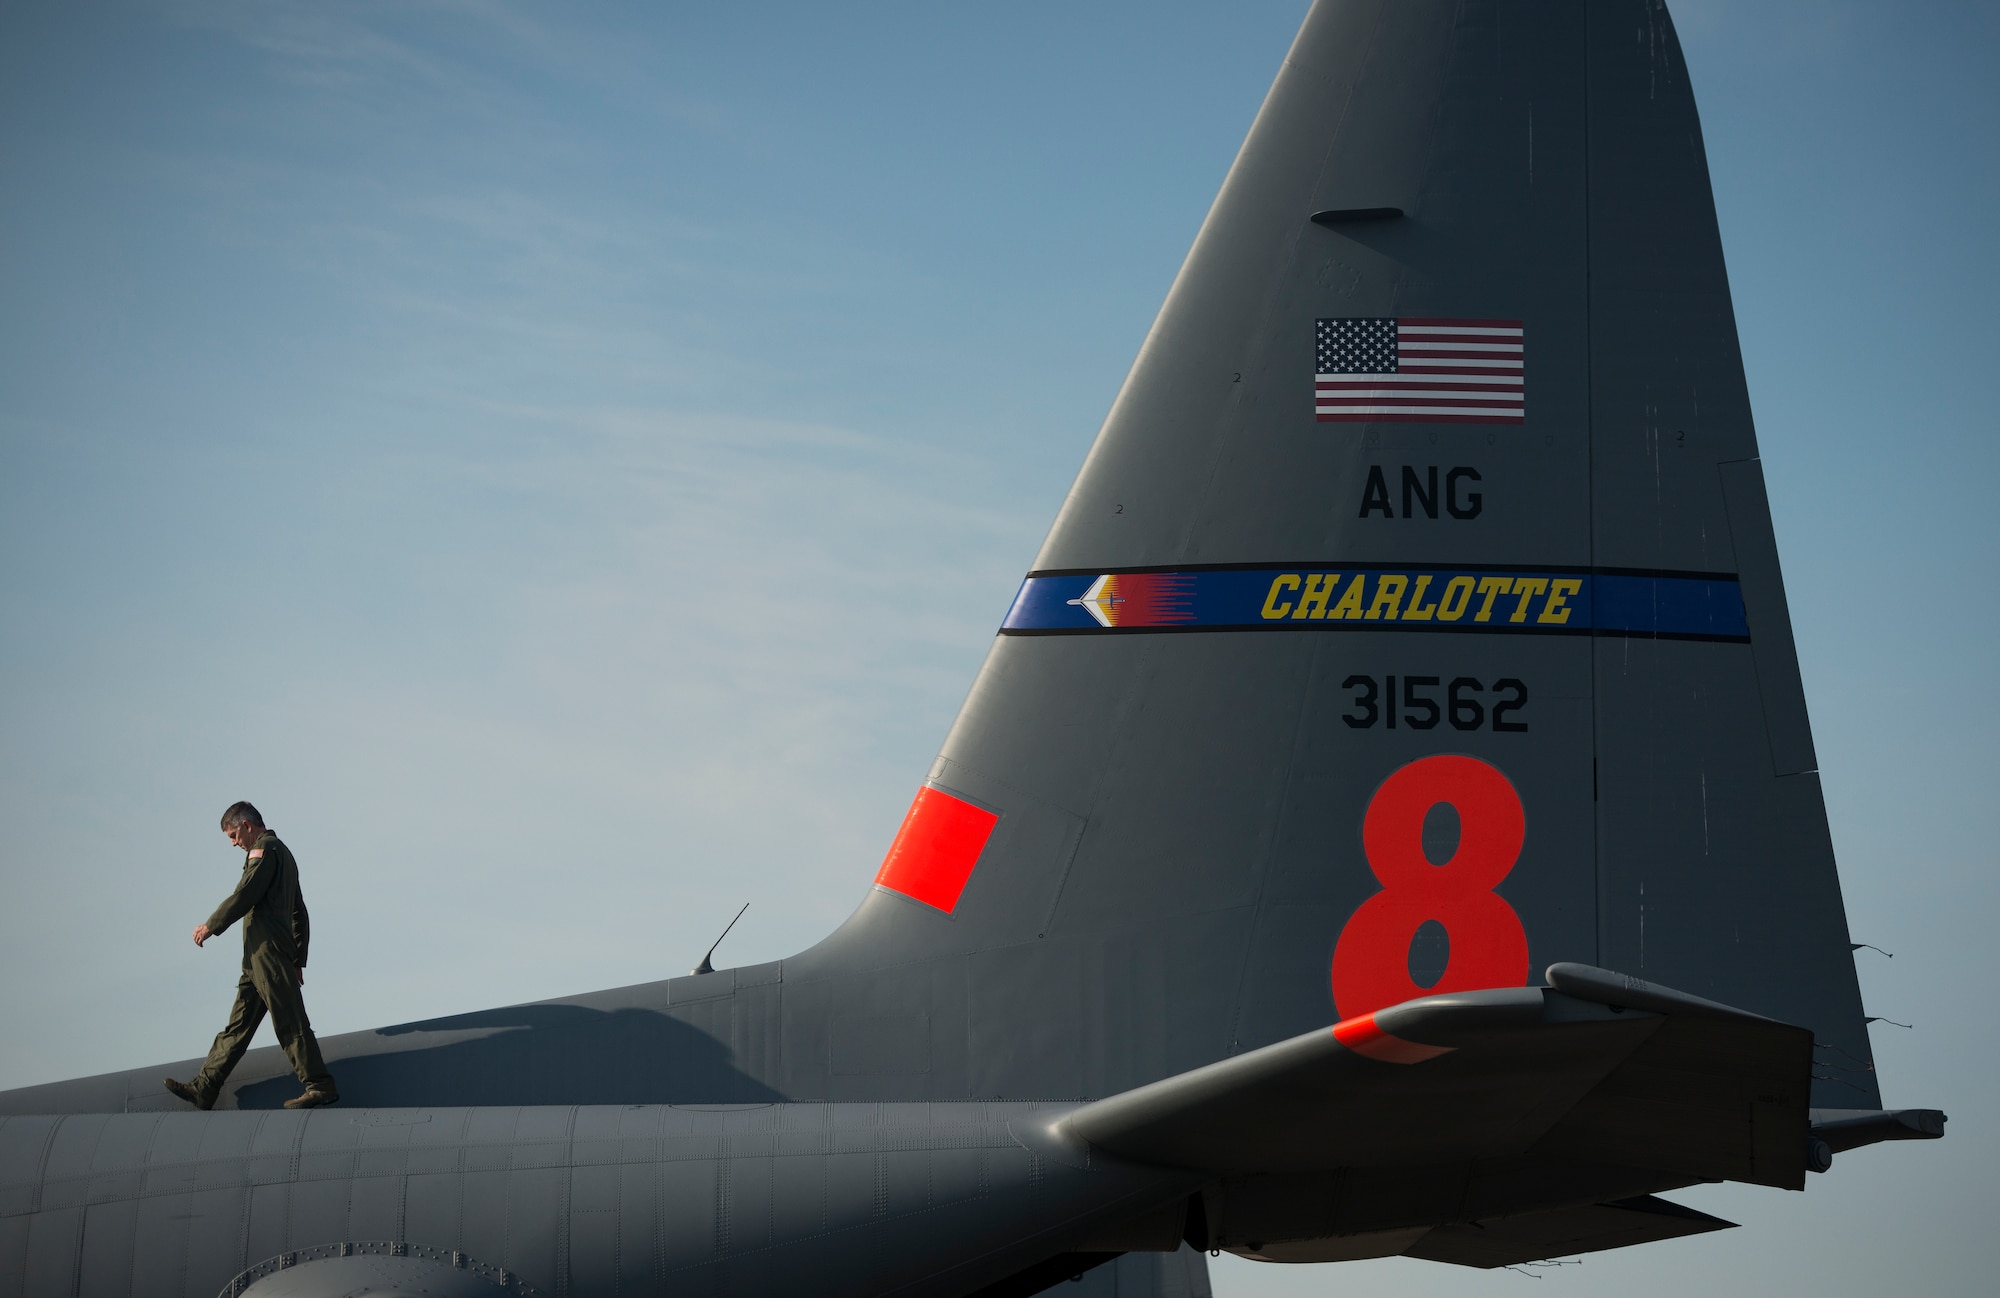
<point x="256" y="882"/>
<point x="301" y="927"/>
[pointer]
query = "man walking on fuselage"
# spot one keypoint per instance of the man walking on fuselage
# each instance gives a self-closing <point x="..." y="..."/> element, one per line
<point x="275" y="935"/>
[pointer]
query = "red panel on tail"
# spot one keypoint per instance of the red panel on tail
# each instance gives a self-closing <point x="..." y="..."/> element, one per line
<point x="936" y="848"/>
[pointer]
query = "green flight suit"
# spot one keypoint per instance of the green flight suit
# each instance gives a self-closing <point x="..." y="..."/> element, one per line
<point x="275" y="934"/>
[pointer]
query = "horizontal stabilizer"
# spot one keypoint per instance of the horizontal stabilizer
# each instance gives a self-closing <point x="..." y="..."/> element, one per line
<point x="1617" y="990"/>
<point x="1532" y="1237"/>
<point x="1845" y="1129"/>
<point x="1679" y="1085"/>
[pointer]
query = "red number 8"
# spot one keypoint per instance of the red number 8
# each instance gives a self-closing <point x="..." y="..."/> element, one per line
<point x="1489" y="947"/>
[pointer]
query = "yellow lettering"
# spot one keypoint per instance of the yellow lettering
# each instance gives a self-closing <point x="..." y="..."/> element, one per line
<point x="1350" y="604"/>
<point x="1489" y="587"/>
<point x="1457" y="594"/>
<point x="1417" y="613"/>
<point x="1389" y="589"/>
<point x="1283" y="581"/>
<point x="1527" y="588"/>
<point x="1562" y="588"/>
<point x="1319" y="588"/>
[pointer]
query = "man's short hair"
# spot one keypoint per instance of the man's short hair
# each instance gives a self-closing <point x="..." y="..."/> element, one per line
<point x="241" y="813"/>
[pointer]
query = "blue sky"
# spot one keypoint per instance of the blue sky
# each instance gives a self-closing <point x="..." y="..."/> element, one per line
<point x="567" y="465"/>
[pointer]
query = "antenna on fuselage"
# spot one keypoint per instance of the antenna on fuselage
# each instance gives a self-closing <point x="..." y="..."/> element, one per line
<point x="705" y="966"/>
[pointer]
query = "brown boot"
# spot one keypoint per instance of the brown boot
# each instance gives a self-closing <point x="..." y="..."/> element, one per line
<point x="314" y="1097"/>
<point x="190" y="1094"/>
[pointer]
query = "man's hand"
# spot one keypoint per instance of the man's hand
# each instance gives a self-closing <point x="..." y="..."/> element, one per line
<point x="201" y="934"/>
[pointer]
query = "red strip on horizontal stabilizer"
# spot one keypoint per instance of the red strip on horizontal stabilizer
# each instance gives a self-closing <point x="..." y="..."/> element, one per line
<point x="1362" y="1037"/>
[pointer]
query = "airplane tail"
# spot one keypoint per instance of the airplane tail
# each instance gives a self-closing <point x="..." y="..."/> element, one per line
<point x="1414" y="625"/>
<point x="1415" y="622"/>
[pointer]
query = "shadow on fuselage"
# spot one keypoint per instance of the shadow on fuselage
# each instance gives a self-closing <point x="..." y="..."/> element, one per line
<point x="518" y="1055"/>
<point x="528" y="1054"/>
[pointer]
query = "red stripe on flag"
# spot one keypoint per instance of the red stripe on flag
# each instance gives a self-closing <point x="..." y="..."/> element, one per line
<point x="1420" y="419"/>
<point x="1456" y="383"/>
<point x="936" y="848"/>
<point x="1408" y="320"/>
<point x="1408" y="399"/>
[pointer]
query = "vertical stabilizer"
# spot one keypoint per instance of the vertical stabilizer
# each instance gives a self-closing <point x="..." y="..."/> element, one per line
<point x="1415" y="621"/>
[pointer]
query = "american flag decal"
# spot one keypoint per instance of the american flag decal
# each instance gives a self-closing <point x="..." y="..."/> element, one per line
<point x="1378" y="368"/>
